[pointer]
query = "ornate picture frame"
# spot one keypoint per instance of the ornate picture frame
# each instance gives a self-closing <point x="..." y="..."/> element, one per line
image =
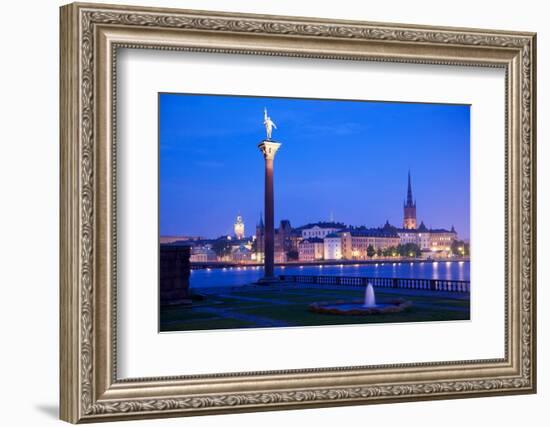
<point x="90" y="37"/>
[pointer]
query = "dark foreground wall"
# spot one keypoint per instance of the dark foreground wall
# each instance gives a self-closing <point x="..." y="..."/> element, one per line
<point x="175" y="269"/>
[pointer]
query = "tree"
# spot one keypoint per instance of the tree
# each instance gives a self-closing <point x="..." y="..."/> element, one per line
<point x="379" y="252"/>
<point x="388" y="251"/>
<point x="370" y="251"/>
<point x="460" y="248"/>
<point x="410" y="250"/>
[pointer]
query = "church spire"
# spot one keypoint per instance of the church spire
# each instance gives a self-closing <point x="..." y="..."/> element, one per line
<point x="261" y="223"/>
<point x="409" y="209"/>
<point x="409" y="193"/>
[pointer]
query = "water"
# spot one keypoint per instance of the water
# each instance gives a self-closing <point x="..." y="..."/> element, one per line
<point x="444" y="270"/>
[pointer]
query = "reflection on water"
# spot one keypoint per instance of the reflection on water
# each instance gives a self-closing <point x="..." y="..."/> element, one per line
<point x="445" y="270"/>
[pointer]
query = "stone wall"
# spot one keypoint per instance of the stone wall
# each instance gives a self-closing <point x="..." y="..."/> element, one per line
<point x="175" y="269"/>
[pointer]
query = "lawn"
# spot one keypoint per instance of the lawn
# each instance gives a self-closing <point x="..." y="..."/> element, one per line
<point x="287" y="305"/>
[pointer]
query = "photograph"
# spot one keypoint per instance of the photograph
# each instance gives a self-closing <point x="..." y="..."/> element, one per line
<point x="280" y="212"/>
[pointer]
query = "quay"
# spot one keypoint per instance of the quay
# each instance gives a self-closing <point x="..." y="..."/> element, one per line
<point x="389" y="260"/>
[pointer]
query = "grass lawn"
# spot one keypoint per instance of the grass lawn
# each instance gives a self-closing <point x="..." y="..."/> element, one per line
<point x="287" y="305"/>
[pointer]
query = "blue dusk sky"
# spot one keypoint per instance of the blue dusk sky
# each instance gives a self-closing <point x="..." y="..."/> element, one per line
<point x="345" y="159"/>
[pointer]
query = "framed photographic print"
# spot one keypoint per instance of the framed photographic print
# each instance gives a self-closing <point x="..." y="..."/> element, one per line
<point x="331" y="263"/>
<point x="266" y="212"/>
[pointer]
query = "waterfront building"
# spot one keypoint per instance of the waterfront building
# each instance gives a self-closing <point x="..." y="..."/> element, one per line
<point x="321" y="229"/>
<point x="295" y="239"/>
<point x="280" y="257"/>
<point x="238" y="228"/>
<point x="332" y="247"/>
<point x="282" y="240"/>
<point x="356" y="241"/>
<point x="418" y="236"/>
<point x="429" y="239"/>
<point x="311" y="249"/>
<point x="409" y="208"/>
<point x="245" y="242"/>
<point x="442" y="240"/>
<point x="203" y="254"/>
<point x="241" y="254"/>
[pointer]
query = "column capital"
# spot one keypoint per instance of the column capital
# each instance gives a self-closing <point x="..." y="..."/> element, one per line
<point x="269" y="149"/>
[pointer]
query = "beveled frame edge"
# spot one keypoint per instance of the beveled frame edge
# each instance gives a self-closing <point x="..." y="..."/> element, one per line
<point x="89" y="390"/>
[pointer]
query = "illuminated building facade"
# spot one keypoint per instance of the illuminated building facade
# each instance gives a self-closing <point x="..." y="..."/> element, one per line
<point x="429" y="239"/>
<point x="321" y="229"/>
<point x="203" y="254"/>
<point x="418" y="236"/>
<point x="355" y="242"/>
<point x="241" y="254"/>
<point x="311" y="249"/>
<point x="442" y="240"/>
<point x="332" y="247"/>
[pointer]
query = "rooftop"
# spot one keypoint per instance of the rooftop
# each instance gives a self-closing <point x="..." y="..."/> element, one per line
<point x="312" y="240"/>
<point x="372" y="232"/>
<point x="423" y="229"/>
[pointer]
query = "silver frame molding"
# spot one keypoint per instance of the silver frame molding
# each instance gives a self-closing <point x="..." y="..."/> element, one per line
<point x="90" y="37"/>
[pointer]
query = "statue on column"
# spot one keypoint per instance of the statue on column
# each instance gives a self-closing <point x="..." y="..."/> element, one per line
<point x="269" y="125"/>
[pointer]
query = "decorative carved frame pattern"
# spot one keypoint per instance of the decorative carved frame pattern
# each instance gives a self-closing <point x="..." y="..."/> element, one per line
<point x="90" y="36"/>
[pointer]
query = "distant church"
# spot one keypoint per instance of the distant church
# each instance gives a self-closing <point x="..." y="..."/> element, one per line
<point x="409" y="209"/>
<point x="435" y="240"/>
<point x="283" y="241"/>
<point x="238" y="228"/>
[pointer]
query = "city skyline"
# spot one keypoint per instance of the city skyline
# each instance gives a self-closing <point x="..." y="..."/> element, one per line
<point x="343" y="159"/>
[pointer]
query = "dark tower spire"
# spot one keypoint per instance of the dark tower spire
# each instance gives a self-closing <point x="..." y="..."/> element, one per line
<point x="409" y="210"/>
<point x="409" y="192"/>
<point x="261" y="223"/>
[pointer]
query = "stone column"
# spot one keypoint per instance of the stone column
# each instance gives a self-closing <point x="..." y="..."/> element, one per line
<point x="269" y="149"/>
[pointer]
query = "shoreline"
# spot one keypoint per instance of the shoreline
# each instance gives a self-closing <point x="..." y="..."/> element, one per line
<point x="221" y="265"/>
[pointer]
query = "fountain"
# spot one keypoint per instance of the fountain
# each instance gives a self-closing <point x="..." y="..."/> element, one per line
<point x="370" y="298"/>
<point x="362" y="307"/>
